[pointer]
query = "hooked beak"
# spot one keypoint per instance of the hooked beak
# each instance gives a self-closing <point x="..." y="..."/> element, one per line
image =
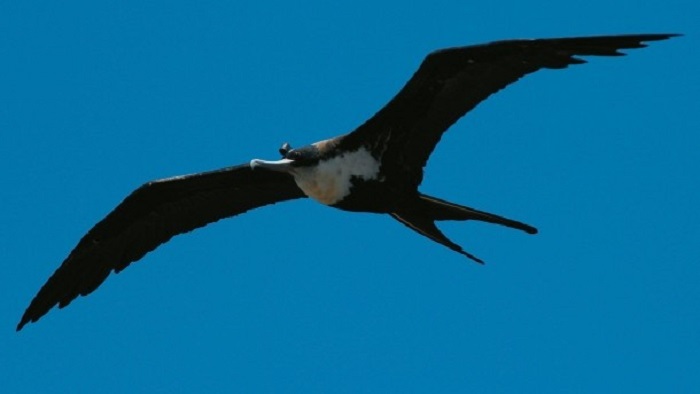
<point x="284" y="165"/>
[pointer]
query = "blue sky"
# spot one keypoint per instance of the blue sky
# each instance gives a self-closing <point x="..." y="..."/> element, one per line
<point x="99" y="97"/>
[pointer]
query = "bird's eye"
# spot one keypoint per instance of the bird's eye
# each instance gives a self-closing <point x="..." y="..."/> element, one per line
<point x="284" y="149"/>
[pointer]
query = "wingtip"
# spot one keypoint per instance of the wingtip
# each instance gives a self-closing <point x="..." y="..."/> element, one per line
<point x="21" y="324"/>
<point x="645" y="38"/>
<point x="659" y="36"/>
<point x="26" y="319"/>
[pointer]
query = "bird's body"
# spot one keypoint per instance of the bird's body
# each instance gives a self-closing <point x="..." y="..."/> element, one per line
<point x="331" y="181"/>
<point x="375" y="168"/>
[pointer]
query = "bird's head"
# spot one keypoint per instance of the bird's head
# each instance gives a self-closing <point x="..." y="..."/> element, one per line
<point x="291" y="159"/>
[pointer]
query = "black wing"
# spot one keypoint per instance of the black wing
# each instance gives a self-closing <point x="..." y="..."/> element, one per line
<point x="452" y="81"/>
<point x="150" y="216"/>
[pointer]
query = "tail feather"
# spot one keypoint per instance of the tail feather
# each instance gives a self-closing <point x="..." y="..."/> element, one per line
<point x="421" y="215"/>
<point x="442" y="210"/>
<point x="426" y="227"/>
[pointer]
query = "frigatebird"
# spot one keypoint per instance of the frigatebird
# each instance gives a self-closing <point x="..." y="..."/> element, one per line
<point x="375" y="168"/>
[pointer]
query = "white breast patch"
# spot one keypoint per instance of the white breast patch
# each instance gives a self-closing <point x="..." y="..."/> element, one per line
<point x="329" y="181"/>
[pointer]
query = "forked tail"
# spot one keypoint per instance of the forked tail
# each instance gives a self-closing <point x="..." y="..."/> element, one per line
<point x="421" y="215"/>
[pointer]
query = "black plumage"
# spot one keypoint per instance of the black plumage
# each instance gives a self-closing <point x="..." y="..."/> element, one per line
<point x="400" y="137"/>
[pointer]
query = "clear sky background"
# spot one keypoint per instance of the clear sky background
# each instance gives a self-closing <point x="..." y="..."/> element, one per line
<point x="99" y="97"/>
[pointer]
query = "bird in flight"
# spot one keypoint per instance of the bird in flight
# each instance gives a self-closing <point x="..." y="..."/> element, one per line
<point x="375" y="168"/>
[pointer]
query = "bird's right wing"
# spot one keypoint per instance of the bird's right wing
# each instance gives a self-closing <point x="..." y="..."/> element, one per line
<point x="150" y="216"/>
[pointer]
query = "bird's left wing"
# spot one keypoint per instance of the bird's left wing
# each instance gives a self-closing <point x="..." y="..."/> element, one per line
<point x="452" y="81"/>
<point x="150" y="216"/>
